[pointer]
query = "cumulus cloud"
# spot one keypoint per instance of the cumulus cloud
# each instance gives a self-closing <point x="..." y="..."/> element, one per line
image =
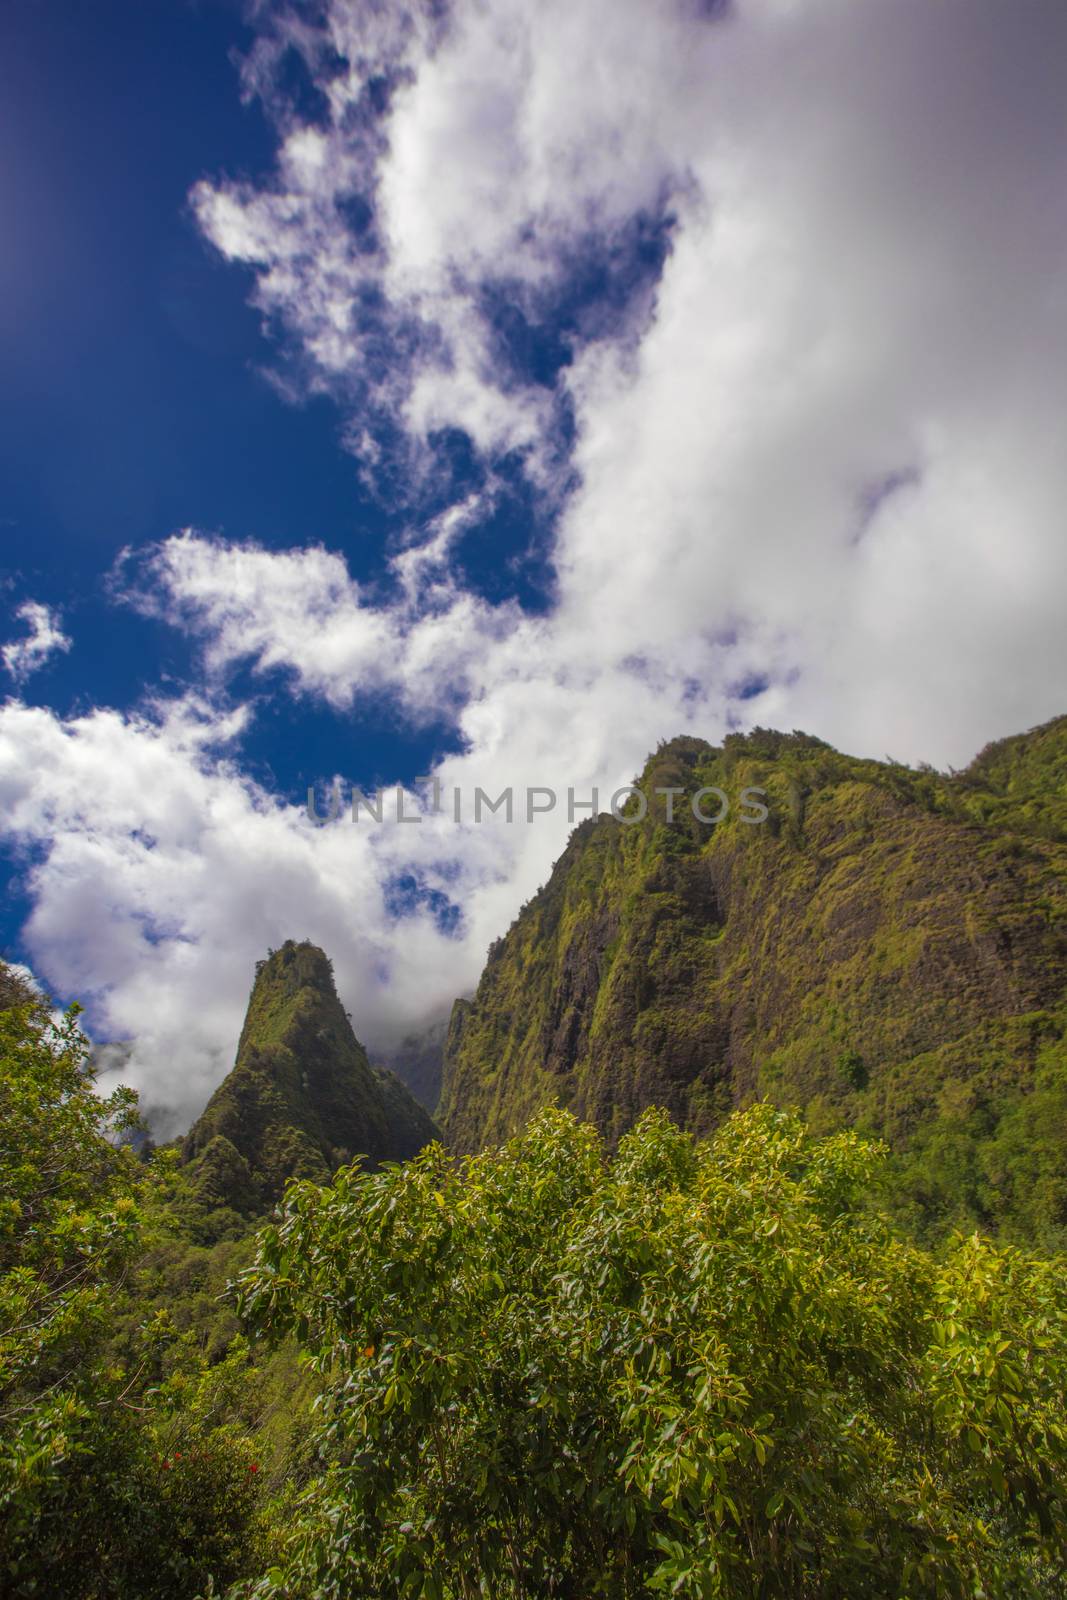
<point x="24" y="656"/>
<point x="805" y="469"/>
<point x="832" y="435"/>
<point x="160" y="873"/>
<point x="300" y="611"/>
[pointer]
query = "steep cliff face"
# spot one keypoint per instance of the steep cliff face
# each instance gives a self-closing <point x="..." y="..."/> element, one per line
<point x="302" y="1098"/>
<point x="887" y="942"/>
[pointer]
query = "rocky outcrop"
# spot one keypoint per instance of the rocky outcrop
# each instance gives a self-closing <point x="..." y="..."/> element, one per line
<point x="302" y="1099"/>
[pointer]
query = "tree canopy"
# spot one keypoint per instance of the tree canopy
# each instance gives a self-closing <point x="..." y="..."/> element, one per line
<point x="696" y="1368"/>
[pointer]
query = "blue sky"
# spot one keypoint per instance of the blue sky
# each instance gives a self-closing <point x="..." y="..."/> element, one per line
<point x="492" y="391"/>
<point x="135" y="399"/>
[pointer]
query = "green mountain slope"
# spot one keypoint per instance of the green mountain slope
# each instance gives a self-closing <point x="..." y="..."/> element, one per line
<point x="302" y="1098"/>
<point x="887" y="949"/>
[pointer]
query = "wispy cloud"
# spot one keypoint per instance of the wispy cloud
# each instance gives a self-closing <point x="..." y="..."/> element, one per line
<point x="448" y="161"/>
<point x="44" y="638"/>
<point x="300" y="612"/>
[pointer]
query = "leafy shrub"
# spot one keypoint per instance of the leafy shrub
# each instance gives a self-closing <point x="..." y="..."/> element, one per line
<point x="120" y="1479"/>
<point x="696" y="1369"/>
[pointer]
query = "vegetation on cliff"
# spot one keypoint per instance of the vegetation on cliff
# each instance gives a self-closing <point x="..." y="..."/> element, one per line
<point x="302" y="1098"/>
<point x="887" y="951"/>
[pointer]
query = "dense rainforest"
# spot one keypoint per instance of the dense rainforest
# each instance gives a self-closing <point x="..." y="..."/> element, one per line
<point x="730" y="1264"/>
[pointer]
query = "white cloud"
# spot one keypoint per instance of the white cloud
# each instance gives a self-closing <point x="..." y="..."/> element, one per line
<point x="826" y="451"/>
<point x="160" y="873"/>
<point x="300" y="611"/>
<point x="864" y="286"/>
<point x="24" y="656"/>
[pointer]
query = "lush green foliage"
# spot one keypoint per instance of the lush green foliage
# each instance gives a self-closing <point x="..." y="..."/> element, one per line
<point x="126" y="1469"/>
<point x="699" y="1369"/>
<point x="68" y="1225"/>
<point x="990" y="1151"/>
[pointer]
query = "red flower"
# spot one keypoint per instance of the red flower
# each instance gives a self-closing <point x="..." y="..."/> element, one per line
<point x="254" y="1467"/>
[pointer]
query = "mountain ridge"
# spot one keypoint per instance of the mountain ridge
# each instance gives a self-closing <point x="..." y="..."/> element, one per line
<point x="302" y="1098"/>
<point x="888" y="943"/>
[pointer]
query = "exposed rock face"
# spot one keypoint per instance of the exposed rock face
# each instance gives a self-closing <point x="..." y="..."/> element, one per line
<point x="302" y="1098"/>
<point x="885" y="934"/>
